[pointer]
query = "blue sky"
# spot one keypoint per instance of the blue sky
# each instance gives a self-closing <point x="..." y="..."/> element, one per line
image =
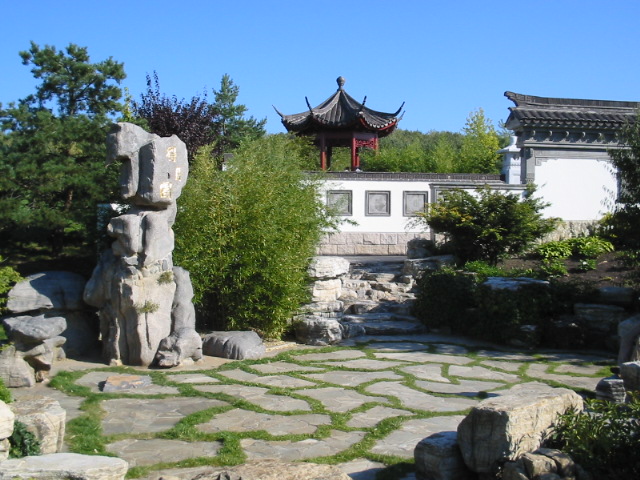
<point x="444" y="59"/>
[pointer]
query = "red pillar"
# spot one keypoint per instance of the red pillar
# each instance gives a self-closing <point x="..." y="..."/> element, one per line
<point x="355" y="160"/>
<point x="323" y="153"/>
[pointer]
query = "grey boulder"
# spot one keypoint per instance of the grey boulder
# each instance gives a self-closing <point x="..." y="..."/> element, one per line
<point x="234" y="345"/>
<point x="46" y="291"/>
<point x="27" y="329"/>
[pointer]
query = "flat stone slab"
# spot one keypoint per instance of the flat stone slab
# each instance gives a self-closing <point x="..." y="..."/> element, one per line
<point x="237" y="420"/>
<point x="157" y="450"/>
<point x="70" y="404"/>
<point x="539" y="370"/>
<point x="427" y="371"/>
<point x="352" y="379"/>
<point x="508" y="366"/>
<point x="398" y="346"/>
<point x="519" y="357"/>
<point x="482" y="373"/>
<point x="579" y="369"/>
<point x="450" y="349"/>
<point x="362" y="469"/>
<point x="283" y="367"/>
<point x="191" y="378"/>
<point x="367" y="364"/>
<point x="466" y="388"/>
<point x="337" y="355"/>
<point x="64" y="466"/>
<point x="340" y="400"/>
<point x="133" y="415"/>
<point x="375" y="415"/>
<point x="411" y="398"/>
<point x="123" y="383"/>
<point x="424" y="357"/>
<point x="292" y="451"/>
<point x="95" y="381"/>
<point x="390" y="327"/>
<point x="403" y="441"/>
<point x="258" y="396"/>
<point x="576" y="358"/>
<point x="284" y="381"/>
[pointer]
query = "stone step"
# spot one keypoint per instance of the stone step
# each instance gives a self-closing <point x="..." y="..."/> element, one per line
<point x="383" y="323"/>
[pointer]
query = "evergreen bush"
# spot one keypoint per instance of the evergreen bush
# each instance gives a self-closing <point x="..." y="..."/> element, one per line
<point x="603" y="439"/>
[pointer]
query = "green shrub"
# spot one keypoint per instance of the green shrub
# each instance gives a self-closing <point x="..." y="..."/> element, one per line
<point x="23" y="442"/>
<point x="8" y="278"/>
<point x="247" y="234"/>
<point x="483" y="270"/>
<point x="604" y="439"/>
<point x="445" y="298"/>
<point x="5" y="393"/>
<point x="553" y="268"/>
<point x="457" y="300"/>
<point x="489" y="225"/>
<point x="580" y="247"/>
<point x="553" y="251"/>
<point x="501" y="312"/>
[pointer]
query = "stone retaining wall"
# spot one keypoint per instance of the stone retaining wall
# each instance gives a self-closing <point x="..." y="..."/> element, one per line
<point x="356" y="243"/>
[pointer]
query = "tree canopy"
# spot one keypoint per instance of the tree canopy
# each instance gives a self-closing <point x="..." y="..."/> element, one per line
<point x="199" y="122"/>
<point x="474" y="150"/>
<point x="52" y="148"/>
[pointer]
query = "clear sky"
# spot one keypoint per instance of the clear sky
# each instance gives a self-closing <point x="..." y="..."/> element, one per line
<point x="444" y="59"/>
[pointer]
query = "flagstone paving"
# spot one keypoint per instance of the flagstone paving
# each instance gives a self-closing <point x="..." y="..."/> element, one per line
<point x="369" y="402"/>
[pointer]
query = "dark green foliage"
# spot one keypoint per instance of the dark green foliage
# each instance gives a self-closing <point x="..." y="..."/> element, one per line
<point x="246" y="235"/>
<point x="52" y="149"/>
<point x="623" y="226"/>
<point x="501" y="313"/>
<point x="458" y="300"/>
<point x="23" y="442"/>
<point x="489" y="225"/>
<point x="446" y="298"/>
<point x="603" y="440"/>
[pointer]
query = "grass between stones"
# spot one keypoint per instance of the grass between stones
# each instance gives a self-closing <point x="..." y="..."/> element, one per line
<point x="85" y="434"/>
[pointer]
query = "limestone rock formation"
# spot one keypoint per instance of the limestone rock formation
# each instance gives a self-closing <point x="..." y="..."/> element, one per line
<point x="48" y="312"/>
<point x="7" y="420"/>
<point x="64" y="466"/>
<point x="45" y="418"/>
<point x="144" y="301"/>
<point x="438" y="457"/>
<point x="504" y="428"/>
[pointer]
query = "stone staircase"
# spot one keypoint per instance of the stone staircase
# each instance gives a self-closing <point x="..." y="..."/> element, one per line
<point x="377" y="299"/>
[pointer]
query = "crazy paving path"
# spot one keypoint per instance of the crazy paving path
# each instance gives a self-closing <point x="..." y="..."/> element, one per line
<point x="363" y="406"/>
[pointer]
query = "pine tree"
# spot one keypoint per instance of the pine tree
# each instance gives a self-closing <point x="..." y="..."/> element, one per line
<point x="52" y="148"/>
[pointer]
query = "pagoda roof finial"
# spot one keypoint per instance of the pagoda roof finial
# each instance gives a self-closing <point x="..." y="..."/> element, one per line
<point x="341" y="81"/>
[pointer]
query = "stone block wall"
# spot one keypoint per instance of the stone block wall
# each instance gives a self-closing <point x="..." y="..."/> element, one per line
<point x="356" y="243"/>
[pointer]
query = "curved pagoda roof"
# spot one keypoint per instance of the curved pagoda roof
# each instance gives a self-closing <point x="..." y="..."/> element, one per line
<point x="570" y="113"/>
<point x="341" y="112"/>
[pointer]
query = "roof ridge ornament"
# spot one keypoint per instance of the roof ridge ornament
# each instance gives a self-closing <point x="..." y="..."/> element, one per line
<point x="341" y="81"/>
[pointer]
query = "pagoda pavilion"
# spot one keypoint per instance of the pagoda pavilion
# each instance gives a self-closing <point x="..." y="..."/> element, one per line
<point x="342" y="121"/>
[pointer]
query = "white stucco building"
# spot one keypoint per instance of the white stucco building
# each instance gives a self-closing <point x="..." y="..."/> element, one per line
<point x="559" y="144"/>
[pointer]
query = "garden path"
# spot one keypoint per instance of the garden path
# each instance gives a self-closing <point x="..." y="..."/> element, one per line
<point x="363" y="406"/>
